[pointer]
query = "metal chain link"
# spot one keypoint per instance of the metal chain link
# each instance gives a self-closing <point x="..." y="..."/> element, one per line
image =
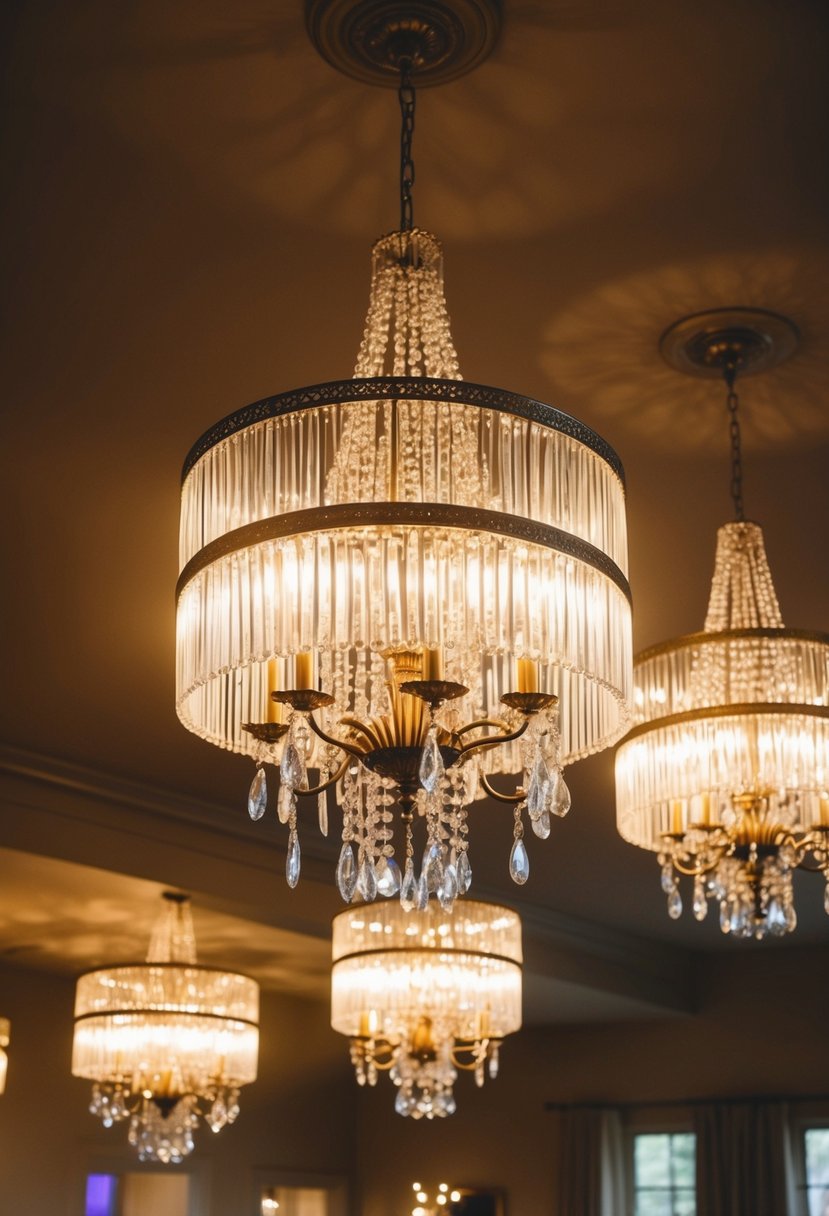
<point x="406" y="97"/>
<point x="736" y="454"/>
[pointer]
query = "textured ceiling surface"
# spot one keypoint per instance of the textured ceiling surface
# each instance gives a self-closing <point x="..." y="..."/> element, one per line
<point x="190" y="199"/>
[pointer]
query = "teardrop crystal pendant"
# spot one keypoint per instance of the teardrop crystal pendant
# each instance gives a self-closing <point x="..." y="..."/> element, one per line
<point x="422" y="896"/>
<point x="367" y="880"/>
<point x="347" y="873"/>
<point x="447" y="892"/>
<point x="291" y="768"/>
<point x="464" y="871"/>
<point x="322" y="812"/>
<point x="538" y="787"/>
<point x="541" y="825"/>
<point x="700" y="904"/>
<point x="285" y="803"/>
<point x="519" y="862"/>
<point x="258" y="794"/>
<point x="388" y="877"/>
<point x="293" y="861"/>
<point x="217" y="1116"/>
<point x="559" y="798"/>
<point x="675" y="904"/>
<point x="408" y="888"/>
<point x="431" y="762"/>
<point x="432" y="872"/>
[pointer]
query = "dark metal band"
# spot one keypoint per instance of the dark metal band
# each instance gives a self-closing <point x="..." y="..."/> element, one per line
<point x="161" y="1014"/>
<point x="173" y="966"/>
<point x="403" y="388"/>
<point x="689" y="641"/>
<point x="402" y="514"/>
<point x="429" y="952"/>
<point x="742" y="708"/>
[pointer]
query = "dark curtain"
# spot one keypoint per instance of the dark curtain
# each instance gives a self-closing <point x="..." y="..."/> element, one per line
<point x="590" y="1169"/>
<point x="742" y="1159"/>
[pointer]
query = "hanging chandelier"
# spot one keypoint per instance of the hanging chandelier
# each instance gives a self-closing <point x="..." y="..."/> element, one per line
<point x="725" y="774"/>
<point x="422" y="995"/>
<point x="402" y="584"/>
<point x="166" y="1042"/>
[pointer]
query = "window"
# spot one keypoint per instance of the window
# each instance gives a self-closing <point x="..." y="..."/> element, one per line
<point x="816" y="1150"/>
<point x="664" y="1165"/>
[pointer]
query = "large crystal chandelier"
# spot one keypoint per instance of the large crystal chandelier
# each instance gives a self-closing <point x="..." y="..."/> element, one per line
<point x="725" y="773"/>
<point x="167" y="1042"/>
<point x="388" y="581"/>
<point x="424" y="994"/>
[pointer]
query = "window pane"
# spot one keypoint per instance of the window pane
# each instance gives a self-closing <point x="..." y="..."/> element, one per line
<point x="652" y="1161"/>
<point x="664" y="1174"/>
<point x="653" y="1203"/>
<point x="817" y="1170"/>
<point x="683" y="1156"/>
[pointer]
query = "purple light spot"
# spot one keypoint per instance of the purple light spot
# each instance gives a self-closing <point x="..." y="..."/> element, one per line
<point x="100" y="1194"/>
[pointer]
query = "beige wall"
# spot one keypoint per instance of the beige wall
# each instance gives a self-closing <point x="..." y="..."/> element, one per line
<point x="761" y="1029"/>
<point x="297" y="1117"/>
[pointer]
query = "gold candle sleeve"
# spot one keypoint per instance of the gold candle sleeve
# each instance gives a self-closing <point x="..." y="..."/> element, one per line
<point x="304" y="669"/>
<point x="273" y="710"/>
<point x="433" y="664"/>
<point x="527" y="675"/>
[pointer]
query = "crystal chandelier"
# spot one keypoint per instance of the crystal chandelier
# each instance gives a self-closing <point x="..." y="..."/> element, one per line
<point x="725" y="773"/>
<point x="424" y="994"/>
<point x="166" y="1042"/>
<point x="391" y="580"/>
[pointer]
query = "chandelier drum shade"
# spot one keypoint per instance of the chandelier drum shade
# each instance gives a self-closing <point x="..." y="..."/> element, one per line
<point x="725" y="773"/>
<point x="424" y="994"/>
<point x="166" y="1042"/>
<point x="404" y="566"/>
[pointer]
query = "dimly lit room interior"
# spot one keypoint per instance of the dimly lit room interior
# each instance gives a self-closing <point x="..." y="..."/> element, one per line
<point x="192" y="193"/>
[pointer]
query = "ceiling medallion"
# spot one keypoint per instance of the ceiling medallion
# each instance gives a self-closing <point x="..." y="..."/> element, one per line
<point x="367" y="39"/>
<point x="402" y="585"/>
<point x="725" y="773"/>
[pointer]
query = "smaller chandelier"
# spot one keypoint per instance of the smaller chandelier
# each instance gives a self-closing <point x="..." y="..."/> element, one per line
<point x="166" y="1042"/>
<point x="725" y="774"/>
<point x="425" y="994"/>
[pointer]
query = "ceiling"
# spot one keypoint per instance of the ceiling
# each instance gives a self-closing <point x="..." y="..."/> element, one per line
<point x="190" y="198"/>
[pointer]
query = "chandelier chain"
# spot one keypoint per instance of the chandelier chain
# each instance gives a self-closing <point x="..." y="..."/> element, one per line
<point x="736" y="454"/>
<point x="406" y="97"/>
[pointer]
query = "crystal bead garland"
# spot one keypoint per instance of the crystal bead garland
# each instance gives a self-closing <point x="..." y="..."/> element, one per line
<point x="167" y="1044"/>
<point x="725" y="772"/>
